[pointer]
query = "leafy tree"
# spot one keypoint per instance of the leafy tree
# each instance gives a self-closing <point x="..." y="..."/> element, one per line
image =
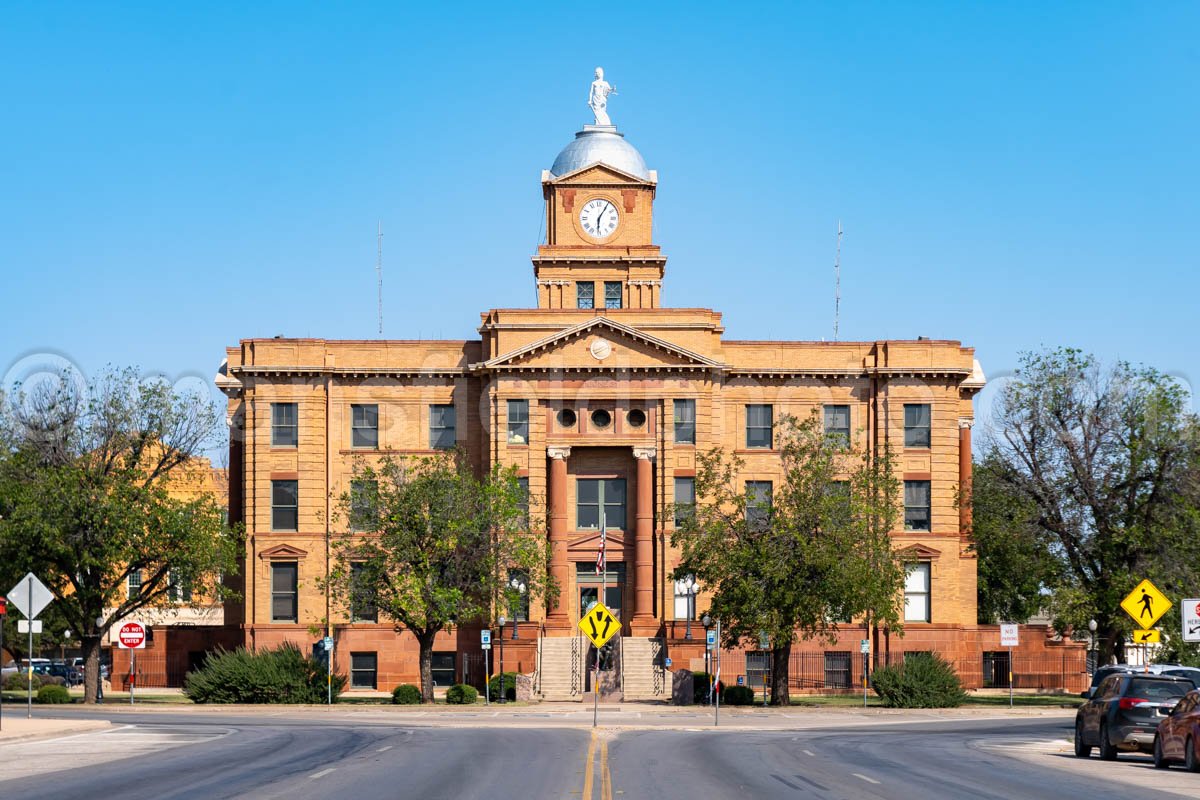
<point x="1014" y="554"/>
<point x="84" y="499"/>
<point x="440" y="546"/>
<point x="794" y="564"/>
<point x="1107" y="460"/>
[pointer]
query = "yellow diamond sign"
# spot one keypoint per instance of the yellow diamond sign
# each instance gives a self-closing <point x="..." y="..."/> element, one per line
<point x="1147" y="637"/>
<point x="599" y="625"/>
<point x="1146" y="604"/>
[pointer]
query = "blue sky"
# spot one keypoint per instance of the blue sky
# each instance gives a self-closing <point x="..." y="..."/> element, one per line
<point x="1011" y="175"/>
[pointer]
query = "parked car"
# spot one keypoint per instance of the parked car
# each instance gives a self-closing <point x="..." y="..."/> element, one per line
<point x="1124" y="713"/>
<point x="1103" y="672"/>
<point x="13" y="666"/>
<point x="1178" y="736"/>
<point x="78" y="664"/>
<point x="70" y="675"/>
<point x="1191" y="673"/>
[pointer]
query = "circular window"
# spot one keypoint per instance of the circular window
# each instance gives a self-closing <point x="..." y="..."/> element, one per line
<point x="601" y="418"/>
<point x="636" y="417"/>
<point x="567" y="418"/>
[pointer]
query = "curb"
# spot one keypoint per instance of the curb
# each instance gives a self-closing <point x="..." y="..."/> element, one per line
<point x="73" y="728"/>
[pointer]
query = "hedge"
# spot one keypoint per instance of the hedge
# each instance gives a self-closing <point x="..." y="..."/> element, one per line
<point x="53" y="694"/>
<point x="920" y="681"/>
<point x="510" y="686"/>
<point x="461" y="694"/>
<point x="280" y="675"/>
<point x="406" y="695"/>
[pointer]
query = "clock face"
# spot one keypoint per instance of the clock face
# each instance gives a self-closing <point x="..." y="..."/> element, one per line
<point x="598" y="217"/>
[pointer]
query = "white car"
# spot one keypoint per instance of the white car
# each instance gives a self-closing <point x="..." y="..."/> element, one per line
<point x="12" y="666"/>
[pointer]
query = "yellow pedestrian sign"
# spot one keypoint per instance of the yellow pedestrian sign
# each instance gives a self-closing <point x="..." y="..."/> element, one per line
<point x="599" y="625"/>
<point x="1147" y="637"/>
<point x="1146" y="604"/>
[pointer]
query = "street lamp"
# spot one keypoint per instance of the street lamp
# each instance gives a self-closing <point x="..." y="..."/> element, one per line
<point x="1092" y="641"/>
<point x="691" y="588"/>
<point x="518" y="586"/>
<point x="706" y="621"/>
<point x="502" y="692"/>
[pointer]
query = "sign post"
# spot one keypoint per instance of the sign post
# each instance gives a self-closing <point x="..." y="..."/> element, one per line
<point x="598" y="625"/>
<point x="717" y="680"/>
<point x="30" y="596"/>
<point x="864" y="647"/>
<point x="1009" y="638"/>
<point x="132" y="636"/>
<point x="3" y="613"/>
<point x="485" y="641"/>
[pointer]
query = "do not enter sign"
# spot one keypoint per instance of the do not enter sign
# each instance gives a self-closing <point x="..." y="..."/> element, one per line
<point x="132" y="636"/>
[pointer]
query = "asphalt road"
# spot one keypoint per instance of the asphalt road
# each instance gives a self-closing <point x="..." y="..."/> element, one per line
<point x="181" y="755"/>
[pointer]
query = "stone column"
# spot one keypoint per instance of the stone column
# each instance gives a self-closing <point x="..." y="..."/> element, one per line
<point x="964" y="474"/>
<point x="558" y="616"/>
<point x="644" y="622"/>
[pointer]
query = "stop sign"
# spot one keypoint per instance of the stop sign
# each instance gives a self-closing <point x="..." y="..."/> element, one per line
<point x="132" y="636"/>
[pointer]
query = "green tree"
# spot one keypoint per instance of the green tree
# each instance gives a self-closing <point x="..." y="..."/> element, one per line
<point x="440" y="543"/>
<point x="794" y="564"/>
<point x="1014" y="555"/>
<point x="1107" y="460"/>
<point x="84" y="499"/>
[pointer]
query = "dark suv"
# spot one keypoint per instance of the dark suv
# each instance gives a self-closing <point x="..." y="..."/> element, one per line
<point x="1124" y="712"/>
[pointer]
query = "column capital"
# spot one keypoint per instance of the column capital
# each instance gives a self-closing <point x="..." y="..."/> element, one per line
<point x="648" y="453"/>
<point x="966" y="422"/>
<point x="559" y="453"/>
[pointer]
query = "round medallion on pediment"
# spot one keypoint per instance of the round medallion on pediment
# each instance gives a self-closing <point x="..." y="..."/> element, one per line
<point x="600" y="349"/>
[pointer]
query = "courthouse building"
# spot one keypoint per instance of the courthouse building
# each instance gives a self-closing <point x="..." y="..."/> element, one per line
<point x="602" y="395"/>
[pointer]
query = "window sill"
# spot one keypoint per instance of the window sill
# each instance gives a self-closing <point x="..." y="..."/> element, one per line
<point x="750" y="450"/>
<point x="284" y="447"/>
<point x="919" y="450"/>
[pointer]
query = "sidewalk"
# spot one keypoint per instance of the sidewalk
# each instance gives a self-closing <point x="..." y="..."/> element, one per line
<point x="18" y="728"/>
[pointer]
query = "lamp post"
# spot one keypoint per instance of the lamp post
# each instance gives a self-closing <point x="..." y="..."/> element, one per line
<point x="518" y="586"/>
<point x="690" y="588"/>
<point x="706" y="621"/>
<point x="1092" y="642"/>
<point x="502" y="692"/>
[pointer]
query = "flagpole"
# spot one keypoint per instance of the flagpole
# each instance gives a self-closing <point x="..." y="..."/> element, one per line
<point x="603" y="565"/>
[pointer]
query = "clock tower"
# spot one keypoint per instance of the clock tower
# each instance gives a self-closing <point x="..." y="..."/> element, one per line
<point x="599" y="208"/>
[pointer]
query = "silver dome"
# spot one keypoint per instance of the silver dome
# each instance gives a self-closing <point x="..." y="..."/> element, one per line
<point x="600" y="147"/>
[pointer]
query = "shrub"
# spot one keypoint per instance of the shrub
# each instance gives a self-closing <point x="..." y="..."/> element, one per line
<point x="17" y="682"/>
<point x="510" y="686"/>
<point x="281" y="675"/>
<point x="52" y="680"/>
<point x="460" y="694"/>
<point x="700" y="687"/>
<point x="920" y="681"/>
<point x="52" y="694"/>
<point x="406" y="695"/>
<point x="737" y="696"/>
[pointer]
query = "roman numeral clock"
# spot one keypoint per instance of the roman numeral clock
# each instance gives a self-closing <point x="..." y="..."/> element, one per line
<point x="599" y="218"/>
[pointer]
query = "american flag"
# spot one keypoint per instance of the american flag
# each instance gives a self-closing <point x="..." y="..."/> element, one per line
<point x="600" y="552"/>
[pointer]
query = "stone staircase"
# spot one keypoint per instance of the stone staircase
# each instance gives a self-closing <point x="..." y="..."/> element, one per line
<point x="645" y="677"/>
<point x="556" y="669"/>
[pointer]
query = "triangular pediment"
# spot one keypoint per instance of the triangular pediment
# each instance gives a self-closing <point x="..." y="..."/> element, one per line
<point x="599" y="172"/>
<point x="591" y="542"/>
<point x="282" y="552"/>
<point x="920" y="552"/>
<point x="602" y="344"/>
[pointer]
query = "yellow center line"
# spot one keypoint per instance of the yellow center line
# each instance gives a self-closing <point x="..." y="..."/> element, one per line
<point x="590" y="765"/>
<point x="605" y="776"/>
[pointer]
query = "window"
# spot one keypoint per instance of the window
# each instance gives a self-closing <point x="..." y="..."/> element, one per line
<point x="758" y="503"/>
<point x="285" y="505"/>
<point x="364" y="425"/>
<point x="585" y="294"/>
<point x="685" y="601"/>
<point x="837" y="669"/>
<point x="284" y="576"/>
<point x="518" y="422"/>
<point x="441" y="427"/>
<point x="284" y="426"/>
<point x="758" y="426"/>
<point x="596" y="495"/>
<point x="685" y="422"/>
<point x="135" y="582"/>
<point x="442" y="668"/>
<point x="362" y="594"/>
<point x="916" y="593"/>
<point x="612" y="294"/>
<point x="363" y="670"/>
<point x="179" y="589"/>
<point x="916" y="425"/>
<point x="523" y="486"/>
<point x="916" y="505"/>
<point x="837" y="425"/>
<point x="841" y="503"/>
<point x="685" y="500"/>
<point x="362" y="504"/>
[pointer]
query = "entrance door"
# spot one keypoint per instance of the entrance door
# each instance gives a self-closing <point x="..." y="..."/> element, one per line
<point x="589" y="595"/>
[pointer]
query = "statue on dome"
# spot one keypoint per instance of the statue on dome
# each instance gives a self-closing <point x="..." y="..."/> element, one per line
<point x="598" y="97"/>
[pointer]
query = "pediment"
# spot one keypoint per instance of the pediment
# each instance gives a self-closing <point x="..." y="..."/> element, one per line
<point x="920" y="552"/>
<point x="602" y="344"/>
<point x="591" y="542"/>
<point x="282" y="552"/>
<point x="599" y="173"/>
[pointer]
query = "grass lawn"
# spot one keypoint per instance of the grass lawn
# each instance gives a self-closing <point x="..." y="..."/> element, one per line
<point x="989" y="700"/>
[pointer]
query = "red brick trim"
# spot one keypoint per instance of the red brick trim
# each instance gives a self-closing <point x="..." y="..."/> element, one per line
<point x="285" y="476"/>
<point x="918" y="476"/>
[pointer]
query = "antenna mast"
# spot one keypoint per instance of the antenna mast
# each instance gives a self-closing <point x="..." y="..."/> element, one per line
<point x="379" y="271"/>
<point x="837" y="283"/>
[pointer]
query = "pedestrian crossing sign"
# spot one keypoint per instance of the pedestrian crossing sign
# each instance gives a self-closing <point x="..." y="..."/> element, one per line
<point x="599" y="625"/>
<point x="1146" y="604"/>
